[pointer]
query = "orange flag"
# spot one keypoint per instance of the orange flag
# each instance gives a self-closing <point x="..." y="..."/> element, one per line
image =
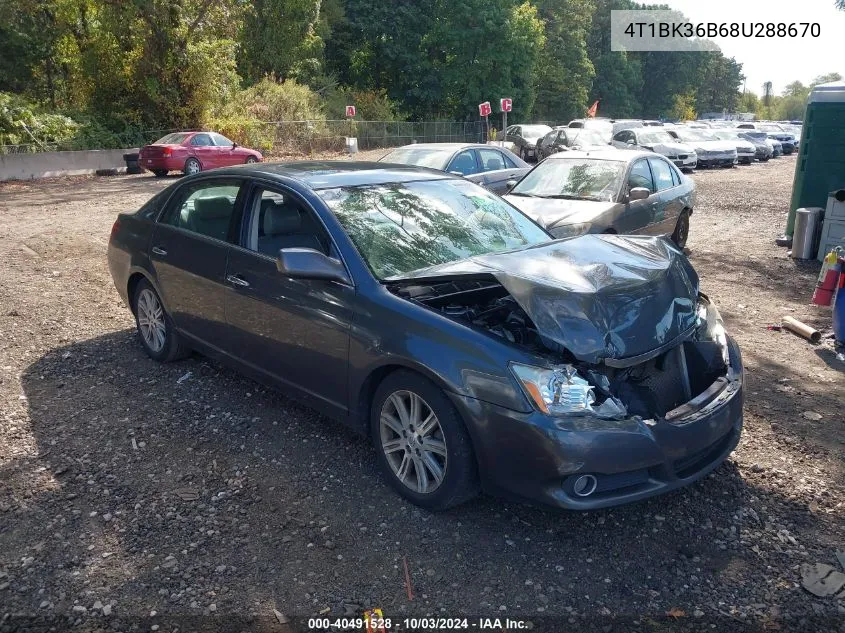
<point x="593" y="109"/>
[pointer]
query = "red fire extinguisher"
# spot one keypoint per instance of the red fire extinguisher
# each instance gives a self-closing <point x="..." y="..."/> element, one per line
<point x="828" y="278"/>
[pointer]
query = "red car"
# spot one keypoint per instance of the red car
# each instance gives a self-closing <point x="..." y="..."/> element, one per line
<point x="193" y="152"/>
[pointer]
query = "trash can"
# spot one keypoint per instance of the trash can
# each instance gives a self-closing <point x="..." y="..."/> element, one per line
<point x="806" y="230"/>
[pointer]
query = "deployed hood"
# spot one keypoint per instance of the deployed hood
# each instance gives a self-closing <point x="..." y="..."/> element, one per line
<point x="550" y="212"/>
<point x="601" y="297"/>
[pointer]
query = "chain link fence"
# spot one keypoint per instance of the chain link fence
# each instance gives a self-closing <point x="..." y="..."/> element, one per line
<point x="281" y="138"/>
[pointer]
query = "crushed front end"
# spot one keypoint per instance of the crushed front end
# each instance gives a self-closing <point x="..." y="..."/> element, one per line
<point x="636" y="389"/>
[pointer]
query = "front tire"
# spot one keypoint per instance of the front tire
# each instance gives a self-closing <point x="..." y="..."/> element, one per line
<point x="422" y="445"/>
<point x="681" y="230"/>
<point x="251" y="160"/>
<point x="192" y="166"/>
<point x="156" y="331"/>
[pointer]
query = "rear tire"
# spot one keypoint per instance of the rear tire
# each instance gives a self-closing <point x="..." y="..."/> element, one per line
<point x="160" y="173"/>
<point x="681" y="230"/>
<point x="250" y="160"/>
<point x="156" y="331"/>
<point x="402" y="431"/>
<point x="192" y="166"/>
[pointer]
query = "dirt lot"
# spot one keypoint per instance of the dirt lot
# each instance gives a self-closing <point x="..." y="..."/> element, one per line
<point x="132" y="493"/>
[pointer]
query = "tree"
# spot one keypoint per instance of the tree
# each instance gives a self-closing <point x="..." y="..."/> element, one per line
<point x="824" y="79"/>
<point x="618" y="77"/>
<point x="481" y="50"/>
<point x="280" y="37"/>
<point x="683" y="107"/>
<point x="565" y="72"/>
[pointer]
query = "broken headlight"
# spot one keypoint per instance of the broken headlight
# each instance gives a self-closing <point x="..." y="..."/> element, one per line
<point x="557" y="391"/>
<point x="711" y="327"/>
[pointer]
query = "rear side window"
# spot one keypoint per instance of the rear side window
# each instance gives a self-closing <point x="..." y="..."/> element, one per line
<point x="201" y="140"/>
<point x="662" y="174"/>
<point x="153" y="206"/>
<point x="463" y="163"/>
<point x="641" y="176"/>
<point x="206" y="208"/>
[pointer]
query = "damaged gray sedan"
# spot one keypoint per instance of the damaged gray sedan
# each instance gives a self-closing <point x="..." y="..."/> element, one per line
<point x="427" y="313"/>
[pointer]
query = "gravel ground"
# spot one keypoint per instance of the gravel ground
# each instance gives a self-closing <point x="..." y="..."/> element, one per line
<point x="133" y="493"/>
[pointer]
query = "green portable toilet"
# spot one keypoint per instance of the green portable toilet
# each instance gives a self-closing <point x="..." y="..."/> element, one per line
<point x="820" y="167"/>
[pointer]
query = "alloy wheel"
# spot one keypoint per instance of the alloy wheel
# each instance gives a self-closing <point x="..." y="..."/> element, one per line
<point x="151" y="320"/>
<point x="192" y="167"/>
<point x="413" y="441"/>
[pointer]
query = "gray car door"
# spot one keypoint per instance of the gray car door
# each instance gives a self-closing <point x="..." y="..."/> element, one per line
<point x="296" y="331"/>
<point x="669" y="205"/>
<point x="638" y="215"/>
<point x="189" y="248"/>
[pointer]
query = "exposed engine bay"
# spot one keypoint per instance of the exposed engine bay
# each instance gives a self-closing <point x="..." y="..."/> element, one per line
<point x="649" y="389"/>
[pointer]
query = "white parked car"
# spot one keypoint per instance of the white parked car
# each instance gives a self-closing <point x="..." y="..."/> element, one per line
<point x="654" y="139"/>
<point x="710" y="150"/>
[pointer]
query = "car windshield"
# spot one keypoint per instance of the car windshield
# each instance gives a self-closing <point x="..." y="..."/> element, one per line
<point x="655" y="136"/>
<point x="535" y="131"/>
<point x="419" y="156"/>
<point x="573" y="178"/>
<point x="177" y="138"/>
<point x="402" y="227"/>
<point x="586" y="137"/>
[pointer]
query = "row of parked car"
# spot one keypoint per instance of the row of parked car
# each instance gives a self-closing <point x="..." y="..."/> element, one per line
<point x="691" y="145"/>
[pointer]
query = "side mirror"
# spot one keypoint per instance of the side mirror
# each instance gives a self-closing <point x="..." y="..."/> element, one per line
<point x="638" y="193"/>
<point x="234" y="145"/>
<point x="306" y="263"/>
<point x="510" y="184"/>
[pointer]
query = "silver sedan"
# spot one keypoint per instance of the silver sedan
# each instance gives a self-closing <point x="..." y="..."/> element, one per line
<point x="575" y="193"/>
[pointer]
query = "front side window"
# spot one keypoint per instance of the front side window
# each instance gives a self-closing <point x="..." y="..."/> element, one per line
<point x="403" y="227"/>
<point x="205" y="208"/>
<point x="573" y="178"/>
<point x="221" y="140"/>
<point x="662" y="174"/>
<point x="640" y="176"/>
<point x="279" y="220"/>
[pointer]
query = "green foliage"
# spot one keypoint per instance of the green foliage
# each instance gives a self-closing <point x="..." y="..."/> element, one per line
<point x="280" y="37"/>
<point x="565" y="72"/>
<point x="370" y="105"/>
<point x="98" y="73"/>
<point x="683" y="108"/>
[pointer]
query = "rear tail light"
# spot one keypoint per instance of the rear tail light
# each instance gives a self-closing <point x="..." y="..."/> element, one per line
<point x="166" y="152"/>
<point x="115" y="228"/>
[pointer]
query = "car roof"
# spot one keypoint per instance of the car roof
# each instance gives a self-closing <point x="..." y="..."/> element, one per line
<point x="330" y="174"/>
<point x="444" y="146"/>
<point x="604" y="154"/>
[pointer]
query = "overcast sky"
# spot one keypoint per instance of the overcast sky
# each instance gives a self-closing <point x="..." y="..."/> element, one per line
<point x="779" y="60"/>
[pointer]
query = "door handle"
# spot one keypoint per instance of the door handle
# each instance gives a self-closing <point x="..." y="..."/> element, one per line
<point x="159" y="251"/>
<point x="237" y="280"/>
